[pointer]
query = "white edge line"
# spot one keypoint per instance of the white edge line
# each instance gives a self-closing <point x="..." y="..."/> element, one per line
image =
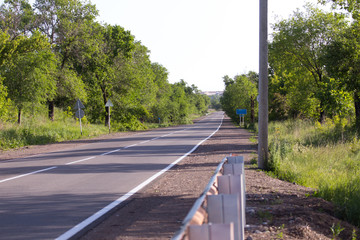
<point x="70" y="233"/>
<point x="27" y="174"/>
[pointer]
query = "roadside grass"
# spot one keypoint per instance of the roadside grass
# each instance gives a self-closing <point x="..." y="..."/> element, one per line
<point x="325" y="157"/>
<point x="40" y="130"/>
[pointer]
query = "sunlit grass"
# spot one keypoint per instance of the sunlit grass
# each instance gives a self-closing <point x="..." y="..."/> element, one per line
<point x="324" y="157"/>
<point x="40" y="130"/>
<point x="43" y="131"/>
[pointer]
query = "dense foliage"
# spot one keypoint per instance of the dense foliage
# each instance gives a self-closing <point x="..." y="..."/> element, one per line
<point x="240" y="93"/>
<point x="215" y="102"/>
<point x="55" y="52"/>
<point x="314" y="102"/>
<point x="313" y="68"/>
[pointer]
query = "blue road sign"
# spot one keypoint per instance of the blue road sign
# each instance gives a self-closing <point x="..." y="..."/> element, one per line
<point x="241" y="111"/>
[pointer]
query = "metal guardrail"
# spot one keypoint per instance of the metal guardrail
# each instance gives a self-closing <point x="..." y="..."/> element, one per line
<point x="180" y="234"/>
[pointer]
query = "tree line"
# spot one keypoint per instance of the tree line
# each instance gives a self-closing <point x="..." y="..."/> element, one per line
<point x="55" y="52"/>
<point x="314" y="66"/>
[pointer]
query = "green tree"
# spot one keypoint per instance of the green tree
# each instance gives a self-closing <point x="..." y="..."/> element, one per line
<point x="215" y="102"/>
<point x="352" y="6"/>
<point x="26" y="75"/>
<point x="16" y="17"/>
<point x="178" y="104"/>
<point x="111" y="50"/>
<point x="134" y="89"/>
<point x="4" y="102"/>
<point x="239" y="93"/>
<point x="159" y="111"/>
<point x="342" y="60"/>
<point x="298" y="45"/>
<point x="291" y="91"/>
<point x="7" y="49"/>
<point x="68" y="26"/>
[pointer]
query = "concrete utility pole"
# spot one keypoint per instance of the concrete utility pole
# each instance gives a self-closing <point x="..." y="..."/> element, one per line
<point x="263" y="86"/>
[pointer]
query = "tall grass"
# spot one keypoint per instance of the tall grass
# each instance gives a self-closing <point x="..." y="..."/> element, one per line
<point x="39" y="130"/>
<point x="325" y="157"/>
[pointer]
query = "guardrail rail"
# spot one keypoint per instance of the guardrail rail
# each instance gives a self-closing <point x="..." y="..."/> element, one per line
<point x="219" y="212"/>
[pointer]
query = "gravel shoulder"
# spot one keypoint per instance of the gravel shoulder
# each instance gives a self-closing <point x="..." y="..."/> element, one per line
<point x="276" y="209"/>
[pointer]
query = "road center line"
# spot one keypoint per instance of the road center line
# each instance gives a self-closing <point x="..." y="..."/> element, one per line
<point x="27" y="174"/>
<point x="116" y="150"/>
<point x="82" y="160"/>
<point x="131" y="146"/>
<point x="73" y="231"/>
<point x="107" y="153"/>
<point x="89" y="158"/>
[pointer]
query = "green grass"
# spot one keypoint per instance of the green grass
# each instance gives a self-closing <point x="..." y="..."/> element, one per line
<point x="40" y="130"/>
<point x="43" y="131"/>
<point x="325" y="157"/>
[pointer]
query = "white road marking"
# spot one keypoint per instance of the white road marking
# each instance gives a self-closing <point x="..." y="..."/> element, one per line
<point x="73" y="231"/>
<point x="82" y="160"/>
<point x="27" y="174"/>
<point x="107" y="153"/>
<point x="131" y="146"/>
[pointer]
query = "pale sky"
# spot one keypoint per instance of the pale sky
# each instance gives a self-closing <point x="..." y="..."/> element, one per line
<point x="199" y="41"/>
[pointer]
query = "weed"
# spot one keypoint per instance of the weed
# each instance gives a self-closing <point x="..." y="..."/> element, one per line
<point x="280" y="235"/>
<point x="253" y="139"/>
<point x="336" y="230"/>
<point x="265" y="216"/>
<point x="353" y="236"/>
<point x="253" y="161"/>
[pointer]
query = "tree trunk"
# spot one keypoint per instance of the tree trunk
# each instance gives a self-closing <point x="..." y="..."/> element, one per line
<point x="107" y="116"/>
<point x="106" y="108"/>
<point x="51" y="110"/>
<point x="357" y="110"/>
<point x="19" y="116"/>
<point x="322" y="112"/>
<point x="252" y="115"/>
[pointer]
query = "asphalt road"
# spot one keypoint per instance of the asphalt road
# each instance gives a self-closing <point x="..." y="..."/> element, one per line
<point x="56" y="195"/>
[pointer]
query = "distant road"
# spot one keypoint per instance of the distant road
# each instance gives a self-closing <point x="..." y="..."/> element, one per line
<point x="56" y="195"/>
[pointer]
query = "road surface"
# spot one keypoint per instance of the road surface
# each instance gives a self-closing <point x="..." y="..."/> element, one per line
<point x="57" y="195"/>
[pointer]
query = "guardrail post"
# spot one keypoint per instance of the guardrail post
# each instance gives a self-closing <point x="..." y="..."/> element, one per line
<point x="211" y="232"/>
<point x="235" y="159"/>
<point x="224" y="208"/>
<point x="237" y="169"/>
<point x="234" y="185"/>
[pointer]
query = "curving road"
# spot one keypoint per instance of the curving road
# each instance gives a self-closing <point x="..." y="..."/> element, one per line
<point x="59" y="194"/>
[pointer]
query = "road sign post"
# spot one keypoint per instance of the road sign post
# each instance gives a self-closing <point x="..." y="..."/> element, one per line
<point x="241" y="113"/>
<point x="108" y="105"/>
<point x="79" y="112"/>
